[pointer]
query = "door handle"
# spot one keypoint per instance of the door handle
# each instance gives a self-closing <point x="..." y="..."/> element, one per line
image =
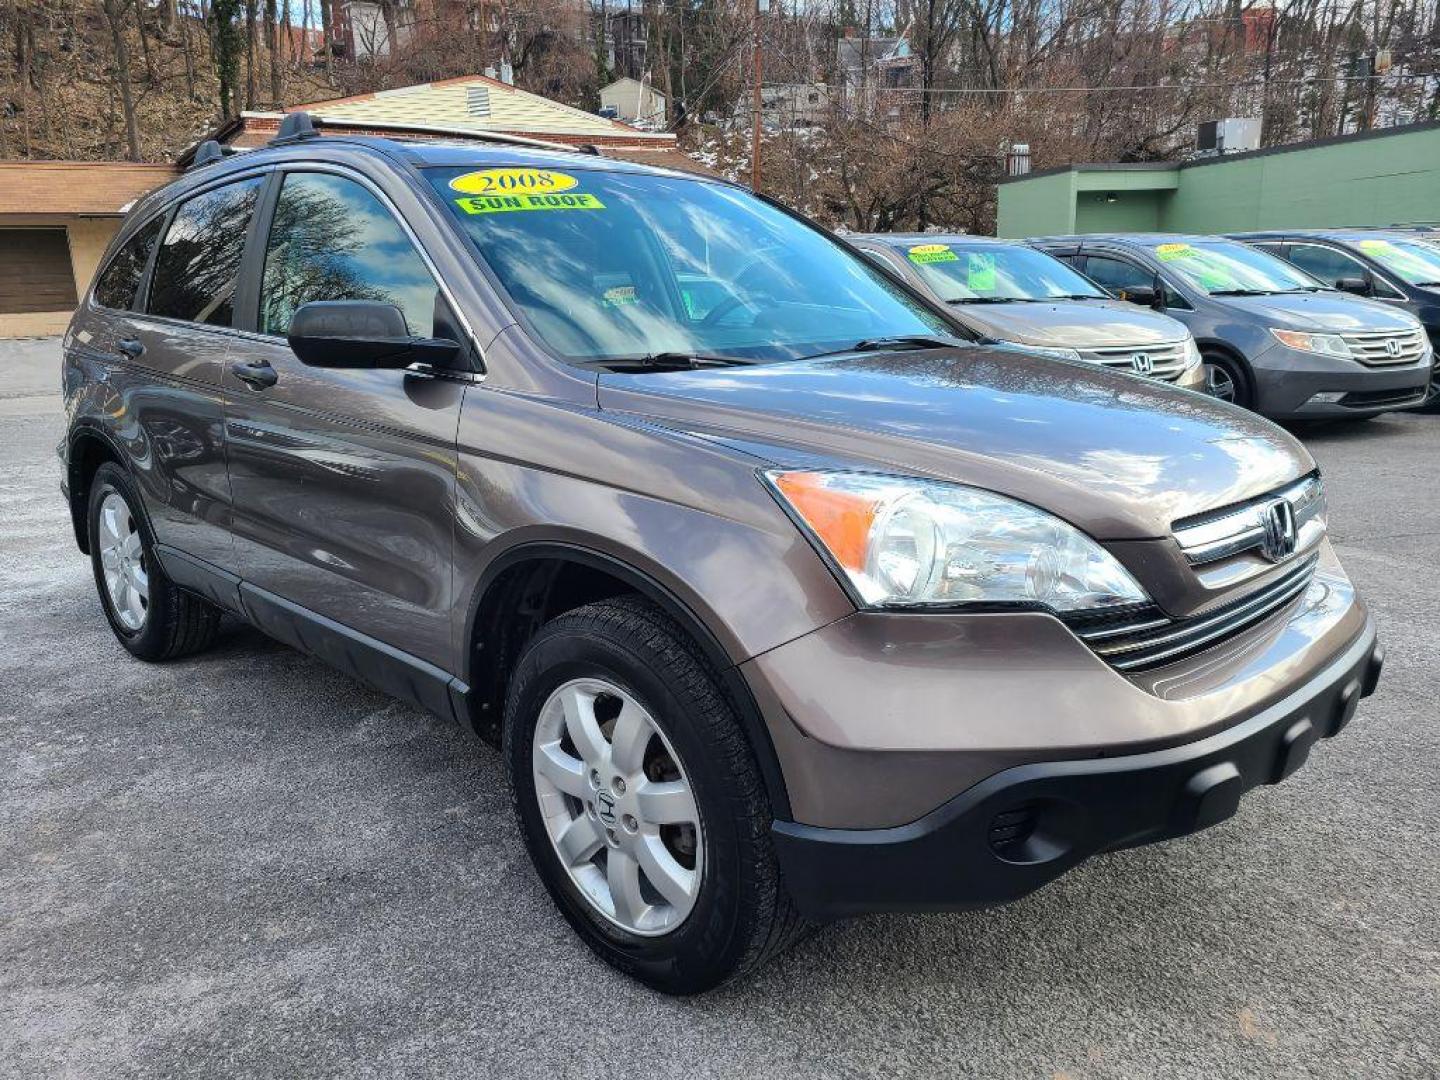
<point x="131" y="347"/>
<point x="256" y="374"/>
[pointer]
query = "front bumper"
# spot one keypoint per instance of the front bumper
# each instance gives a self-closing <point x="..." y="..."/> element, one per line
<point x="1287" y="380"/>
<point x="1023" y="827"/>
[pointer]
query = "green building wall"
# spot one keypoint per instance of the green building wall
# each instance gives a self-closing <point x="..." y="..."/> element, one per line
<point x="1379" y="178"/>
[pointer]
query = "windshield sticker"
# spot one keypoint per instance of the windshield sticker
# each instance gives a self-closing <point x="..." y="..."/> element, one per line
<point x="1171" y="252"/>
<point x="980" y="272"/>
<point x="932" y="253"/>
<point x="513" y="182"/>
<point x="1211" y="274"/>
<point x="1403" y="262"/>
<point x="620" y="296"/>
<point x="499" y="204"/>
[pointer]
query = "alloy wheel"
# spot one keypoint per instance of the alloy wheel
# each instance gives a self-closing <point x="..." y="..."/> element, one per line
<point x="618" y="807"/>
<point x="123" y="561"/>
<point x="1219" y="383"/>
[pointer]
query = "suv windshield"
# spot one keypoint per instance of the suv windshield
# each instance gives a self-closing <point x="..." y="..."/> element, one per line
<point x="1229" y="268"/>
<point x="621" y="265"/>
<point x="960" y="273"/>
<point x="1416" y="263"/>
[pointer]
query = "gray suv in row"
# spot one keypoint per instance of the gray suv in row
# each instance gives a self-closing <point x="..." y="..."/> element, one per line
<point x="782" y="603"/>
<point x="1274" y="339"/>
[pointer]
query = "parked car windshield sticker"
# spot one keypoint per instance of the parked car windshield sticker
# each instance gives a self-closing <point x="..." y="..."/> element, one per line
<point x="1403" y="260"/>
<point x="932" y="253"/>
<point x="1171" y="252"/>
<point x="498" y="191"/>
<point x="513" y="182"/>
<point x="620" y="296"/>
<point x="499" y="204"/>
<point x="1210" y="274"/>
<point x="980" y="272"/>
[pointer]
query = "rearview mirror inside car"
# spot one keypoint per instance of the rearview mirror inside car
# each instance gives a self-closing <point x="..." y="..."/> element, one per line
<point x="362" y="334"/>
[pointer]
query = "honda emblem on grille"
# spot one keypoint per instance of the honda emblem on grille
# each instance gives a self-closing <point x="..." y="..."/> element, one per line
<point x="1278" y="521"/>
<point x="1392" y="347"/>
<point x="1142" y="364"/>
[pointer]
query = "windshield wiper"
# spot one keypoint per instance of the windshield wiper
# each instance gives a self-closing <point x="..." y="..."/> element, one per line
<point x="1245" y="292"/>
<point x="899" y="343"/>
<point x="993" y="300"/>
<point x="666" y="361"/>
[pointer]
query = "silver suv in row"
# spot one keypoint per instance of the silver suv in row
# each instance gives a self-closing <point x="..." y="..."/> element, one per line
<point x="1013" y="294"/>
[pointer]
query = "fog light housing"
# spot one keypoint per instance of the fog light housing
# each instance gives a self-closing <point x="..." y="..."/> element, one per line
<point x="1327" y="397"/>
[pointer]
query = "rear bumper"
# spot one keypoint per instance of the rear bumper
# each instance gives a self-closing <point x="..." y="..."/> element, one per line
<point x="1023" y="827"/>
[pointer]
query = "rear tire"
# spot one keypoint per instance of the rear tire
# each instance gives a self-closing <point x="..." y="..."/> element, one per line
<point x="628" y="658"/>
<point x="1227" y="379"/>
<point x="150" y="616"/>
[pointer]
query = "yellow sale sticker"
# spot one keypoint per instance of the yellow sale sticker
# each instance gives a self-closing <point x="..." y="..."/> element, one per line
<point x="499" y="204"/>
<point x="932" y="253"/>
<point x="513" y="182"/>
<point x="1170" y="252"/>
<point x="620" y="295"/>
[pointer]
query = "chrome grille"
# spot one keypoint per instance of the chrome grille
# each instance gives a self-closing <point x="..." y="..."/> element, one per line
<point x="1167" y="360"/>
<point x="1147" y="638"/>
<point x="1218" y="534"/>
<point x="1375" y="349"/>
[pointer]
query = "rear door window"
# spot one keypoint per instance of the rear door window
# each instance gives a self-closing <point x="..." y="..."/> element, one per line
<point x="198" y="267"/>
<point x="331" y="239"/>
<point x="120" y="281"/>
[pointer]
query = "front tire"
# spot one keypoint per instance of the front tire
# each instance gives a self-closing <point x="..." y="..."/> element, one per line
<point x="152" y="618"/>
<point x="1227" y="380"/>
<point x="640" y="801"/>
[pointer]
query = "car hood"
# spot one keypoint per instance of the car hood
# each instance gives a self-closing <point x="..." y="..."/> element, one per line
<point x="1073" y="324"/>
<point x="1119" y="456"/>
<point x="1322" y="311"/>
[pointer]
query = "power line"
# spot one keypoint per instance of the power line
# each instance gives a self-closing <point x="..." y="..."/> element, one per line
<point x="1231" y="84"/>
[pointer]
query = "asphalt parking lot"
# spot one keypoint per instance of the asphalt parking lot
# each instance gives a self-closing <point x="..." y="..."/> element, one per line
<point x="244" y="864"/>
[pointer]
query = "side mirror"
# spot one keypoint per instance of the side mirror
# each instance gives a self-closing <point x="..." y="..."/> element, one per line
<point x="362" y="334"/>
<point x="1358" y="285"/>
<point x="1144" y="295"/>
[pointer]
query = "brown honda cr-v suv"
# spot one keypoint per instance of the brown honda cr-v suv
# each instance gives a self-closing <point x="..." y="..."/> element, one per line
<point x="783" y="602"/>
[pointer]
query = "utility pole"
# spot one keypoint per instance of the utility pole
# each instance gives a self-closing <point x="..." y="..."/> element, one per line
<point x="760" y="5"/>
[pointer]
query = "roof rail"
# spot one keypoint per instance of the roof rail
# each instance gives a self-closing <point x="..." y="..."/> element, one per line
<point x="295" y="126"/>
<point x="302" y="125"/>
<point x="207" y="153"/>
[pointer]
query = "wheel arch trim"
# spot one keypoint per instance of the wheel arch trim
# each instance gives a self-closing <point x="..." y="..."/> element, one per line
<point x="648" y="585"/>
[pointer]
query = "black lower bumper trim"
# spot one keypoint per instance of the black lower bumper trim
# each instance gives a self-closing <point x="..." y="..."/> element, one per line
<point x="1024" y="827"/>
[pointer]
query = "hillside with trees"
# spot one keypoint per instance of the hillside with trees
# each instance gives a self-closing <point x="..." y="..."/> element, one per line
<point x="919" y="101"/>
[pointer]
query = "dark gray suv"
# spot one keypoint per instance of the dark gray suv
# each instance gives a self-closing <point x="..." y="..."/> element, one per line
<point x="781" y="603"/>
<point x="1273" y="338"/>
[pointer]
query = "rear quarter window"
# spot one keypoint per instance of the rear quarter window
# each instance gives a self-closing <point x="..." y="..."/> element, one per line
<point x="120" y="280"/>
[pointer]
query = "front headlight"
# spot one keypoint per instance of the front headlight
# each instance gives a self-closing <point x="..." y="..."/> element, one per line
<point x="1040" y="350"/>
<point x="904" y="542"/>
<point x="1324" y="344"/>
